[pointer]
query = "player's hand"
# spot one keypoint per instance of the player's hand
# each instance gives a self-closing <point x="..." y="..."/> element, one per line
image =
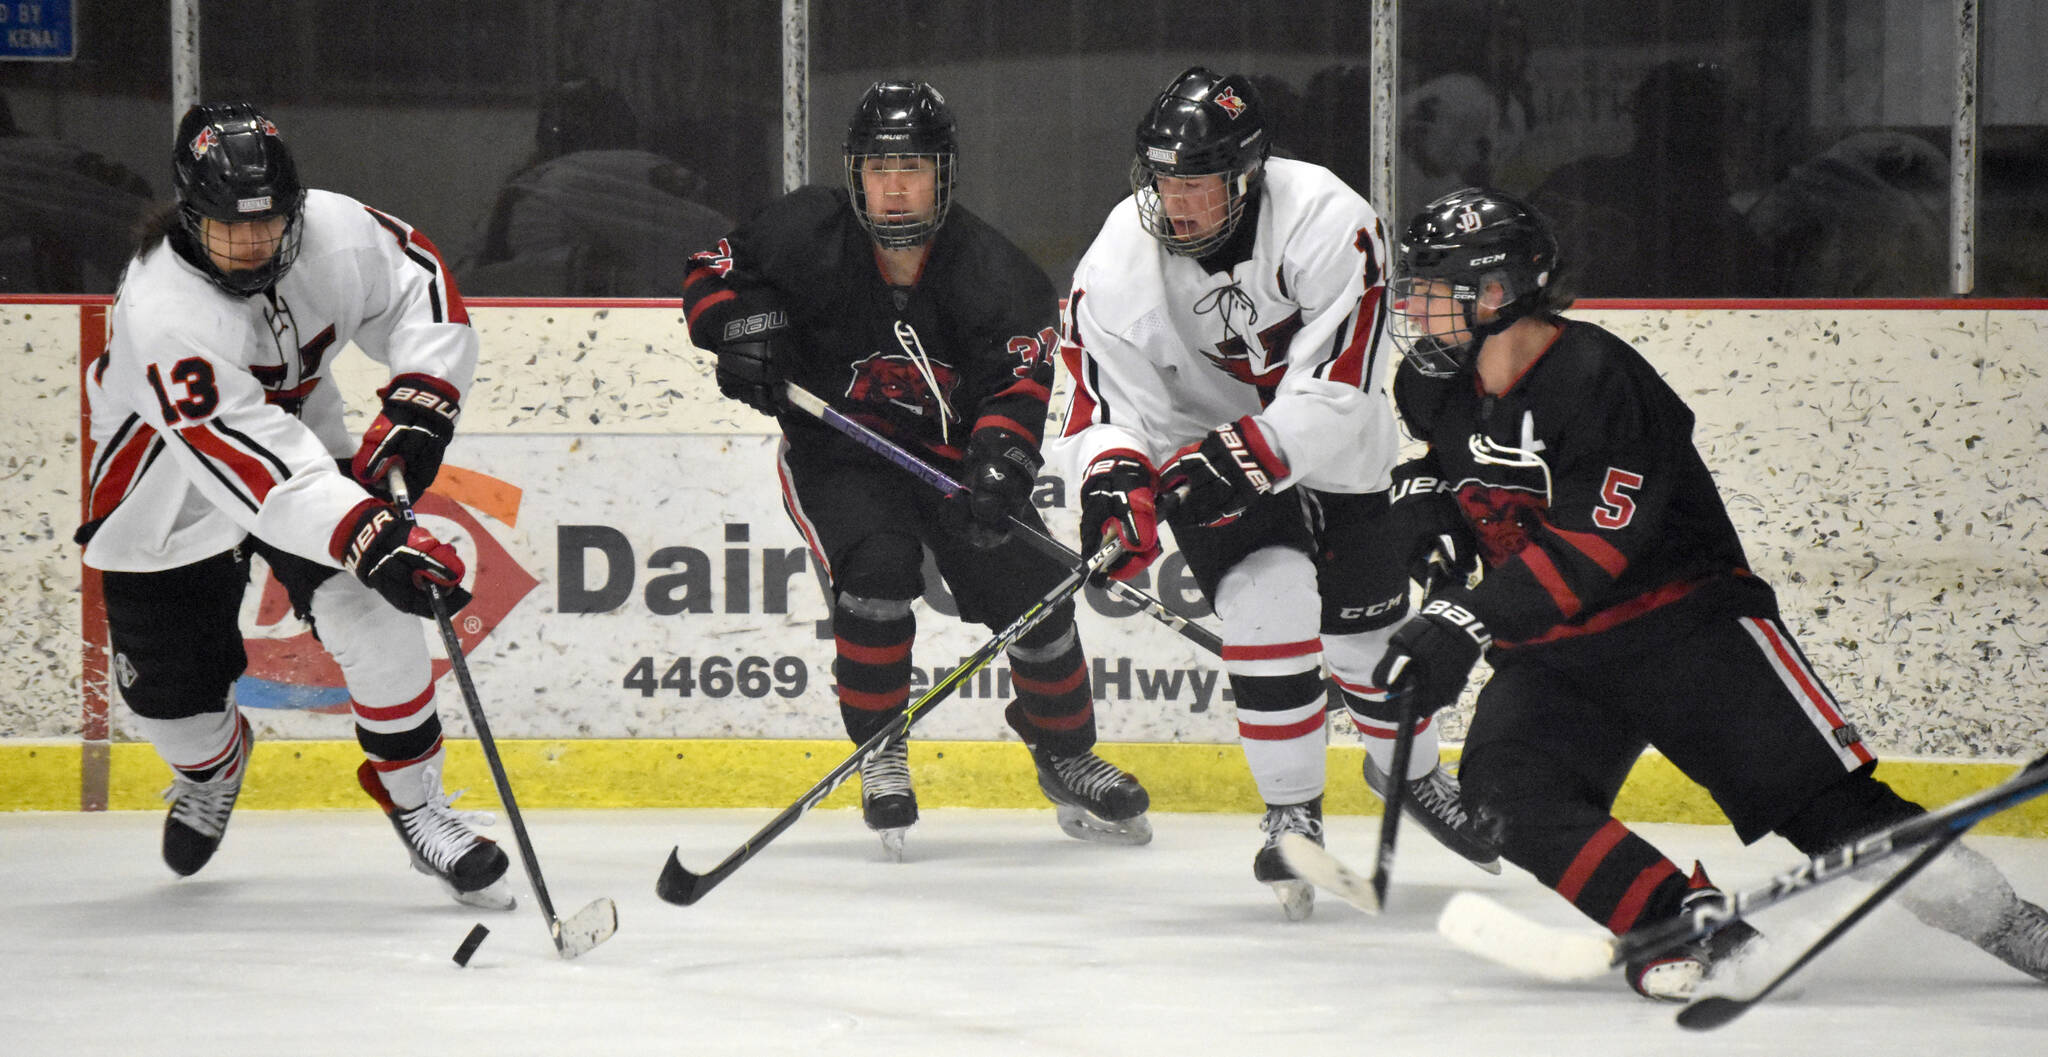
<point x="1118" y="494"/>
<point x="751" y="355"/>
<point x="1426" y="525"/>
<point x="1431" y="655"/>
<point x="1223" y="473"/>
<point x="398" y="559"/>
<point x="1001" y="467"/>
<point x="409" y="435"/>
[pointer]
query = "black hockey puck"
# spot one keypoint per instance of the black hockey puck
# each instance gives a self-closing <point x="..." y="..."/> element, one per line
<point x="470" y="943"/>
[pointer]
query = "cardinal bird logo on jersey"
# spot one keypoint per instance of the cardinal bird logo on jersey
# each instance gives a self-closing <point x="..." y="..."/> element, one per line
<point x="897" y="380"/>
<point x="1230" y="102"/>
<point x="1500" y="517"/>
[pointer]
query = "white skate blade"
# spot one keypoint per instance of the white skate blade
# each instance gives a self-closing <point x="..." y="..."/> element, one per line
<point x="1082" y="824"/>
<point x="1313" y="864"/>
<point x="1480" y="926"/>
<point x="494" y="896"/>
<point x="892" y="842"/>
<point x="1297" y="898"/>
<point x="586" y="928"/>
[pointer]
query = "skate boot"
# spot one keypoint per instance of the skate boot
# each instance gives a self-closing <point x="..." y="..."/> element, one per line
<point x="1673" y="975"/>
<point x="887" y="802"/>
<point x="200" y="810"/>
<point x="1434" y="801"/>
<point x="438" y="838"/>
<point x="1297" y="897"/>
<point x="1094" y="799"/>
<point x="2021" y="939"/>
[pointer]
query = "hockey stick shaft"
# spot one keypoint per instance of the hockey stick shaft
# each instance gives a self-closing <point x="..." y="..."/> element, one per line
<point x="459" y="663"/>
<point x="1716" y="1010"/>
<point x="679" y="885"/>
<point x="1397" y="791"/>
<point x="1943" y="825"/>
<point x="811" y="404"/>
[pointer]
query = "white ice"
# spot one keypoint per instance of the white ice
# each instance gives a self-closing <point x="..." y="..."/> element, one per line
<point x="308" y="935"/>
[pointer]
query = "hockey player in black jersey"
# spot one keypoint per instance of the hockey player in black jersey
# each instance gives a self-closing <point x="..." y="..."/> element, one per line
<point x="1616" y="609"/>
<point x="911" y="315"/>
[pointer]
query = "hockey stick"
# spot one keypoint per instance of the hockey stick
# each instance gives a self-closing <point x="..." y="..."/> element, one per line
<point x="680" y="886"/>
<point x="589" y="926"/>
<point x="1484" y="927"/>
<point x="811" y="404"/>
<point x="1704" y="1014"/>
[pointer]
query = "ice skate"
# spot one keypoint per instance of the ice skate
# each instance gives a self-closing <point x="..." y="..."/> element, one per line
<point x="200" y="810"/>
<point x="1434" y="801"/>
<point x="1093" y="798"/>
<point x="439" y="840"/>
<point x="1297" y="897"/>
<point x="1674" y="975"/>
<point x="2021" y="939"/>
<point x="887" y="802"/>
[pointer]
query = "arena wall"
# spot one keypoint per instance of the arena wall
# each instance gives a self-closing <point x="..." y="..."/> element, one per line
<point x="648" y="625"/>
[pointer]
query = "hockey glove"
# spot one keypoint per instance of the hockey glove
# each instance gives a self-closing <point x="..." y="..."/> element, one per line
<point x="751" y="351"/>
<point x="1001" y="467"/>
<point x="398" y="559"/>
<point x="1118" y="495"/>
<point x="1427" y="526"/>
<point x="1223" y="473"/>
<point x="1431" y="655"/>
<point x="409" y="435"/>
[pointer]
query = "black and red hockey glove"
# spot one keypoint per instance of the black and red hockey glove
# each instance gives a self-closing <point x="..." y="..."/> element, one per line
<point x="410" y="434"/>
<point x="1223" y="473"/>
<point x="751" y="355"/>
<point x="1001" y="467"/>
<point x="1432" y="654"/>
<point x="1118" y="494"/>
<point x="1427" y="527"/>
<point x="397" y="558"/>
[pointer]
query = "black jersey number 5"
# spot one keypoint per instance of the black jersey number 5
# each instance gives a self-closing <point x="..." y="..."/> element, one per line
<point x="201" y="395"/>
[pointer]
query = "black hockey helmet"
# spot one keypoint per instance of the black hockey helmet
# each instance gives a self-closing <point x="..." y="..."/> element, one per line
<point x="1202" y="124"/>
<point x="901" y="119"/>
<point x="229" y="164"/>
<point x="1467" y="240"/>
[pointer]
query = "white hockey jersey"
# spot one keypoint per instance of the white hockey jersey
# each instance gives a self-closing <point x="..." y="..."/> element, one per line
<point x="214" y="416"/>
<point x="1162" y="351"/>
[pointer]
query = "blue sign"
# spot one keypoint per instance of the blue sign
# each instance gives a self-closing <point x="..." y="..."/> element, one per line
<point x="37" y="29"/>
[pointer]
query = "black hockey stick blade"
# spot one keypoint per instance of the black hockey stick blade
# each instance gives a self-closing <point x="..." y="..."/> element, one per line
<point x="677" y="884"/>
<point x="1712" y="1011"/>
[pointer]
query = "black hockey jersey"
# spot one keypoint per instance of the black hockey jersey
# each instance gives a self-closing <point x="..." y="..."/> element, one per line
<point x="968" y="346"/>
<point x="1599" y="525"/>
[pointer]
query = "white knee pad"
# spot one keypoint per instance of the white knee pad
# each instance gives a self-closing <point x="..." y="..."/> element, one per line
<point x="382" y="652"/>
<point x="1269" y="602"/>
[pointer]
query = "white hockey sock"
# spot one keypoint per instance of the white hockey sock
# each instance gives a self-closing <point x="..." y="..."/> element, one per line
<point x="1379" y="744"/>
<point x="410" y="782"/>
<point x="212" y="741"/>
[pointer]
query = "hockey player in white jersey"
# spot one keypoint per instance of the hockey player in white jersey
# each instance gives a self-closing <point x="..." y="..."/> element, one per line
<point x="1224" y="332"/>
<point x="217" y="434"/>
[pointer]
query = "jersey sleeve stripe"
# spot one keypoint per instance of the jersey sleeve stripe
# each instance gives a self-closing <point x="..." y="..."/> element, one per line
<point x="697" y="309"/>
<point x="120" y="468"/>
<point x="441" y="288"/>
<point x="1352" y="363"/>
<point x="1026" y="388"/>
<point x="251" y="480"/>
<point x="1002" y="422"/>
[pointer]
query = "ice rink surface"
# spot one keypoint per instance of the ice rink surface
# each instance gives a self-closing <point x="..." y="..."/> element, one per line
<point x="309" y="935"/>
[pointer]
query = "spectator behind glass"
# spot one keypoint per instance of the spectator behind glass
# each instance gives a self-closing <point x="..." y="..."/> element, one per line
<point x="1658" y="221"/>
<point x="592" y="215"/>
<point x="1460" y="128"/>
<point x="1867" y="218"/>
<point x="67" y="215"/>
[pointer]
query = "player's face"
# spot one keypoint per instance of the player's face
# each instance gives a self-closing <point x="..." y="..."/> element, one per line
<point x="241" y="245"/>
<point x="1196" y="206"/>
<point x="1430" y="311"/>
<point x="900" y="188"/>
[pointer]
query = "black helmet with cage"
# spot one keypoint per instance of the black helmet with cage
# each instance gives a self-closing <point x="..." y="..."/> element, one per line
<point x="1453" y="250"/>
<point x="1203" y="124"/>
<point x="230" y="165"/>
<point x="902" y="119"/>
